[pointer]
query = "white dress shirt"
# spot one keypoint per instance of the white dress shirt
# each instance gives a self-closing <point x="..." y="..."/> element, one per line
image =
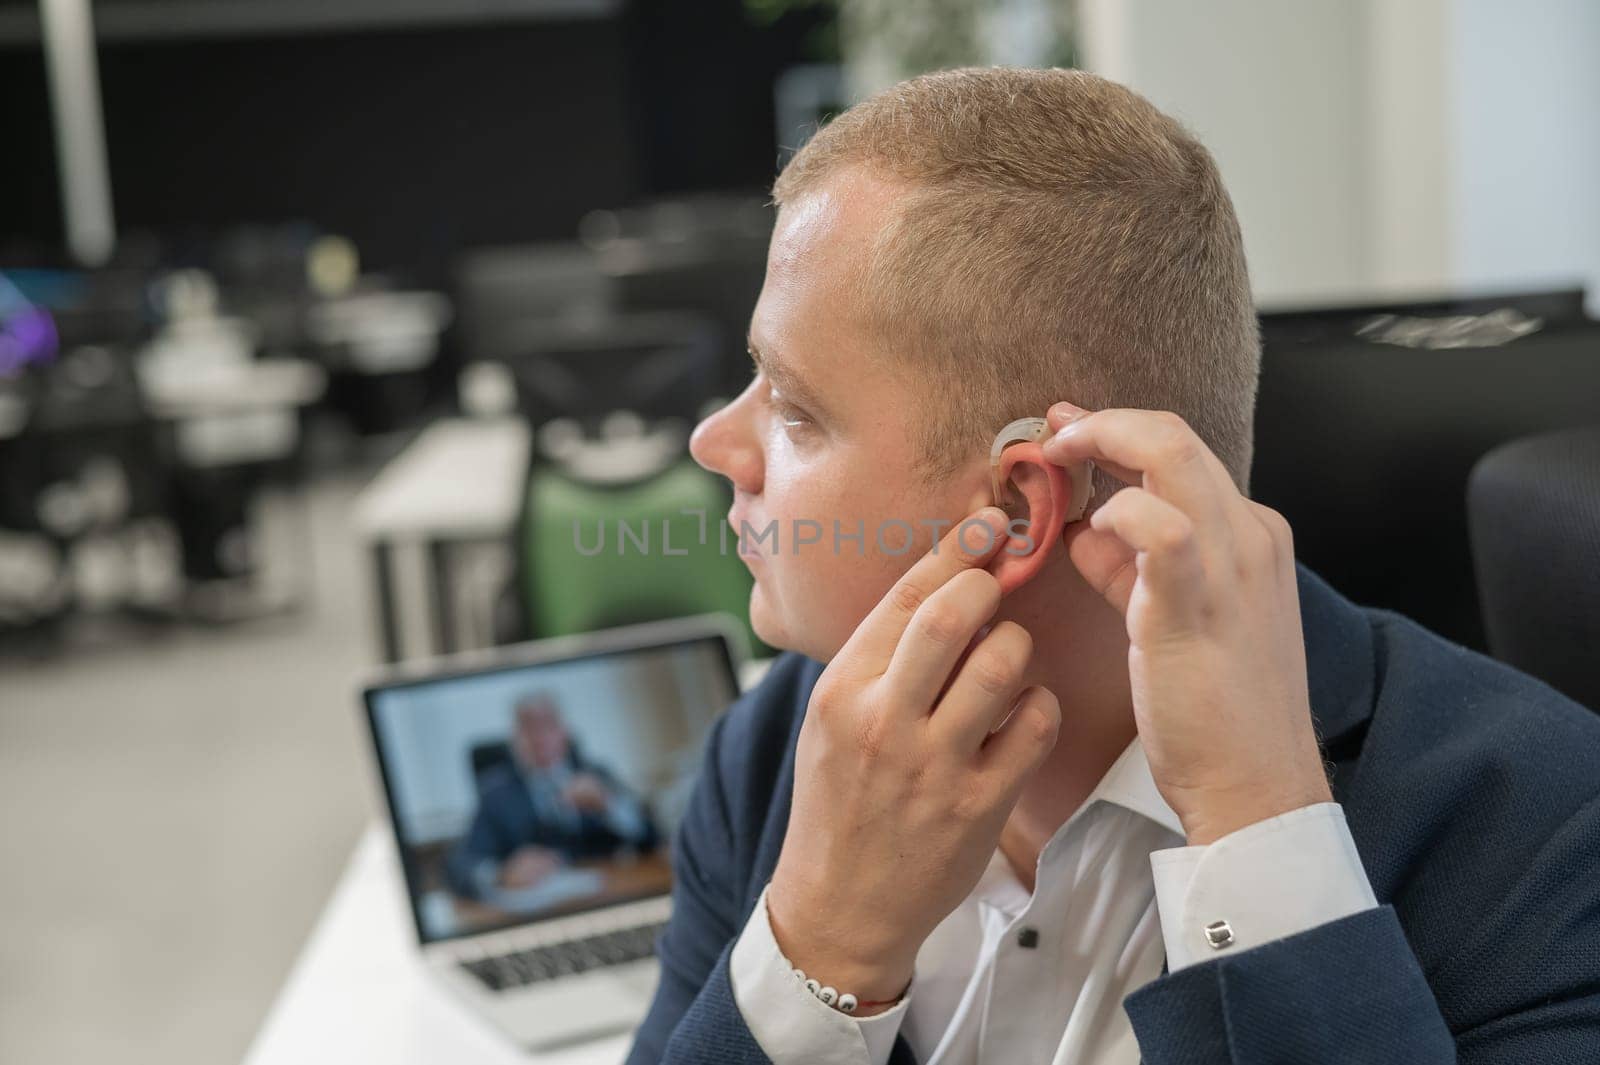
<point x="1115" y="892"/>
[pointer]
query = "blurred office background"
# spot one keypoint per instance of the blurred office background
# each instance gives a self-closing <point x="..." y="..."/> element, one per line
<point x="321" y="323"/>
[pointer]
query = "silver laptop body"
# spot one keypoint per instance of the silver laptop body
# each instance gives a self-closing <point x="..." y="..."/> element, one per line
<point x="571" y="957"/>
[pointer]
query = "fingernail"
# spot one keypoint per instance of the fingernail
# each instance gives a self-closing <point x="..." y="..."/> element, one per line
<point x="1064" y="433"/>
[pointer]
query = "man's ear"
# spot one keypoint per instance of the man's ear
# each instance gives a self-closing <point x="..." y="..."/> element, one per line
<point x="1040" y="496"/>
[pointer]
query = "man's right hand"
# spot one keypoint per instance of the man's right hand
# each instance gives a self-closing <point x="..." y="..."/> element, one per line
<point x="903" y="780"/>
<point x="527" y="866"/>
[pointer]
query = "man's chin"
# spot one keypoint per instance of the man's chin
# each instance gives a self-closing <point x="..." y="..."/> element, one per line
<point x="767" y="623"/>
<point x="784" y="633"/>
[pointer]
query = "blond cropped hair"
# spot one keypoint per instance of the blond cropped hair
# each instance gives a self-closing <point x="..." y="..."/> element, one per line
<point x="1058" y="238"/>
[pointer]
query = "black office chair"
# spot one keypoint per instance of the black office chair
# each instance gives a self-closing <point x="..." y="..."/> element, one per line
<point x="1533" y="510"/>
<point x="500" y="291"/>
<point x="657" y="365"/>
<point x="487" y="757"/>
<point x="706" y="254"/>
<point x="1366" y="446"/>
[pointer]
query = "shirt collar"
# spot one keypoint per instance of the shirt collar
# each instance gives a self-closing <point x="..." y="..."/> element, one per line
<point x="1130" y="785"/>
<point x="552" y="778"/>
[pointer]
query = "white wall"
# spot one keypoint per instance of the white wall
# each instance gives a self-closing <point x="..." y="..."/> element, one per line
<point x="1527" y="125"/>
<point x="1382" y="147"/>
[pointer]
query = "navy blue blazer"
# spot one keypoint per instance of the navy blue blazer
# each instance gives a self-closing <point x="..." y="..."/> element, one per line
<point x="1472" y="792"/>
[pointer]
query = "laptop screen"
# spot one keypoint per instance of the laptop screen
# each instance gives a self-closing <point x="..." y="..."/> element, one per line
<point x="526" y="791"/>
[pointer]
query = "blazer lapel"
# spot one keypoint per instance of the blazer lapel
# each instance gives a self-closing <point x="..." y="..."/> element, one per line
<point x="776" y="823"/>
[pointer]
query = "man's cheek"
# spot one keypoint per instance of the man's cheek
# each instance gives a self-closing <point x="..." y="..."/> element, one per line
<point x="853" y="590"/>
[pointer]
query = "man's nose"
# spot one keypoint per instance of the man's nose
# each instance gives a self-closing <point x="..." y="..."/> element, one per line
<point x="726" y="443"/>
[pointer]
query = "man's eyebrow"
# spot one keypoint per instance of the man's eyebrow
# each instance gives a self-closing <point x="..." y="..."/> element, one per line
<point x="782" y="375"/>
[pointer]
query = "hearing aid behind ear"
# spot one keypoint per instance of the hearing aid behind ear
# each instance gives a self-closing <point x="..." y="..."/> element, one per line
<point x="1031" y="431"/>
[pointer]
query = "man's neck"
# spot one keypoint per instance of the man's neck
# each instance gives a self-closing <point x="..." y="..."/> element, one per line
<point x="1080" y="652"/>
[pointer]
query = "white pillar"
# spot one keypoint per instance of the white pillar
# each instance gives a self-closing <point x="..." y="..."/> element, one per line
<point x="80" y="129"/>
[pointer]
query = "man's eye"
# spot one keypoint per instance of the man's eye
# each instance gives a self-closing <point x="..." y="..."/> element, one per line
<point x="792" y="417"/>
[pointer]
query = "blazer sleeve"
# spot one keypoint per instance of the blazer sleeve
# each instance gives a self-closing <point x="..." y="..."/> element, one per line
<point x="1349" y="991"/>
<point x="693" y="1019"/>
<point x="1521" y="976"/>
<point x="485" y="841"/>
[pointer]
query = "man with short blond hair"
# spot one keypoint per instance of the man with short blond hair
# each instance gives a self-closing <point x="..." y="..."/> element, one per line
<point x="1084" y="791"/>
<point x="1052" y="233"/>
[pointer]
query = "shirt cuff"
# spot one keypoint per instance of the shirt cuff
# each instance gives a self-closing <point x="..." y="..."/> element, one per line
<point x="790" y="1024"/>
<point x="1273" y="879"/>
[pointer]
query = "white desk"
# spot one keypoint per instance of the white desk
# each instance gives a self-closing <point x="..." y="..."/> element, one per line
<point x="461" y="478"/>
<point x="459" y="481"/>
<point x="359" y="994"/>
<point x="226" y="413"/>
<point x="229" y="388"/>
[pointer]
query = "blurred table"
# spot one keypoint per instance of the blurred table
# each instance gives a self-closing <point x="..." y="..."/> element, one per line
<point x="620" y="880"/>
<point x="230" y="388"/>
<point x="359" y="992"/>
<point x="459" y="481"/>
<point x="232" y="414"/>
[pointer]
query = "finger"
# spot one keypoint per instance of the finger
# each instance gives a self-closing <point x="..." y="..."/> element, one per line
<point x="1169" y="558"/>
<point x="1106" y="563"/>
<point x="1155" y="449"/>
<point x="1062" y="414"/>
<point x="939" y="635"/>
<point x="985" y="687"/>
<point x="1022" y="742"/>
<point x="1280" y="535"/>
<point x="967" y="546"/>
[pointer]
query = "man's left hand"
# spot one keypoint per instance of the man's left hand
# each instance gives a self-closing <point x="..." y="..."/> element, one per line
<point x="1205" y="579"/>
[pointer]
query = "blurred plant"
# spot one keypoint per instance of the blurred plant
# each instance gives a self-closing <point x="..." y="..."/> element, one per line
<point x="821" y="41"/>
<point x="916" y="35"/>
<point x="766" y="12"/>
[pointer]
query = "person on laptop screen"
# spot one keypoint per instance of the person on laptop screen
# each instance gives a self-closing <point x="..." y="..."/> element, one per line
<point x="546" y="807"/>
<point x="1128" y="787"/>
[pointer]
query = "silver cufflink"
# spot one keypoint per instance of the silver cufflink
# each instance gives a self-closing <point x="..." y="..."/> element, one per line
<point x="1219" y="934"/>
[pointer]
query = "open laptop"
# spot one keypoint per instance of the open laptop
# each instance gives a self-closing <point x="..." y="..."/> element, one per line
<point x="534" y="791"/>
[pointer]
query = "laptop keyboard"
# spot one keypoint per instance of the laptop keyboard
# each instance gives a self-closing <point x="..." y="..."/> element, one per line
<point x="521" y="968"/>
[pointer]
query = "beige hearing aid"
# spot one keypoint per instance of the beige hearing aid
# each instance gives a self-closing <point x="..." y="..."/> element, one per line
<point x="1022" y="439"/>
